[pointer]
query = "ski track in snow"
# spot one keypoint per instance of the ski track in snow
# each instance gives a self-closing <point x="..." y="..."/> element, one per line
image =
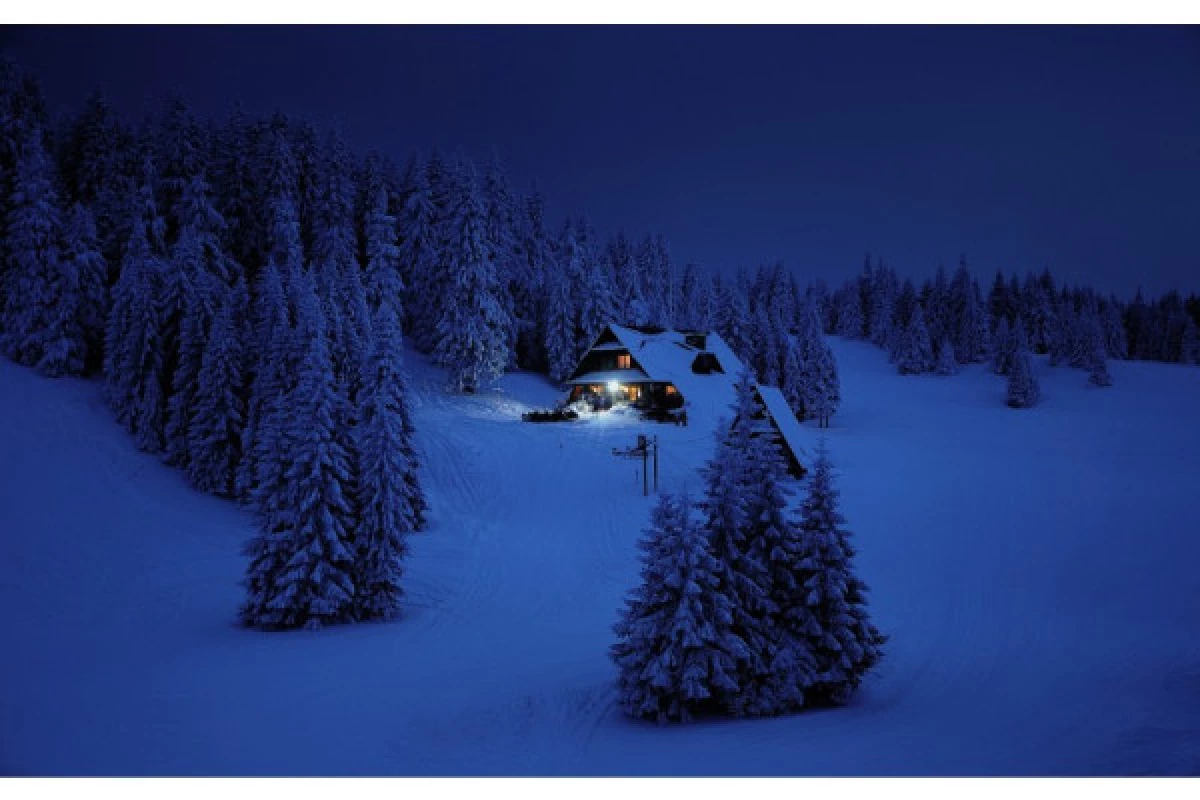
<point x="1033" y="568"/>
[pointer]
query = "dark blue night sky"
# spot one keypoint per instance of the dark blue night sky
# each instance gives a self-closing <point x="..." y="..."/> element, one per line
<point x="1073" y="148"/>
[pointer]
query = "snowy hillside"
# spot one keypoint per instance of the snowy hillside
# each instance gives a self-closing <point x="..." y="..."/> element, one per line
<point x="1035" y="570"/>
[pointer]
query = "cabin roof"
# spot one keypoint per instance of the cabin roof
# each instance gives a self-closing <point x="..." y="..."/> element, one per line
<point x="604" y="376"/>
<point x="785" y="419"/>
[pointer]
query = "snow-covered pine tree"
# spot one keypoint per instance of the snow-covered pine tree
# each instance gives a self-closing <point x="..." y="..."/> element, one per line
<point x="273" y="354"/>
<point x="676" y="650"/>
<point x="202" y="292"/>
<point x="1190" y="344"/>
<point x="826" y="386"/>
<point x="81" y="250"/>
<point x="531" y="305"/>
<point x="217" y="415"/>
<point x="731" y="318"/>
<point x="772" y="538"/>
<point x="473" y="331"/>
<point x="596" y="299"/>
<point x="916" y="354"/>
<point x="768" y="352"/>
<point x="833" y="616"/>
<point x="882" y="309"/>
<point x="849" y="312"/>
<point x="947" y="358"/>
<point x="1023" y="389"/>
<point x="267" y="331"/>
<point x="794" y="375"/>
<point x="135" y="369"/>
<point x="1115" y="339"/>
<point x="389" y="498"/>
<point x="1098" y="363"/>
<point x="302" y="560"/>
<point x="502" y="229"/>
<point x="743" y="574"/>
<point x="973" y="344"/>
<point x="560" y="345"/>
<point x="631" y="305"/>
<point x="198" y="274"/>
<point x="1079" y="339"/>
<point x="95" y="174"/>
<point x="37" y="281"/>
<point x="382" y="268"/>
<point x="1002" y="352"/>
<point x="821" y="392"/>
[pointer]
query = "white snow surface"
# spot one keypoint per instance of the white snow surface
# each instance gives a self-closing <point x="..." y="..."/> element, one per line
<point x="1035" y="570"/>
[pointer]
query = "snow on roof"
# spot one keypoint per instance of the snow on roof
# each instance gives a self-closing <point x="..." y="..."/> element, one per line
<point x="785" y="418"/>
<point x="604" y="376"/>
<point x="667" y="357"/>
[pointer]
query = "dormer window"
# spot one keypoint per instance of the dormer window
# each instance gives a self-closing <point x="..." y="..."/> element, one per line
<point x="624" y="361"/>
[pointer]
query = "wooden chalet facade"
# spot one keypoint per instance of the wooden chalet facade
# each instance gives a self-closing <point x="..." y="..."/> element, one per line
<point x="647" y="368"/>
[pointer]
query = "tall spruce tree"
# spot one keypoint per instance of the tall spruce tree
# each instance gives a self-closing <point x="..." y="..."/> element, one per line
<point x="947" y="363"/>
<point x="81" y="250"/>
<point x="1098" y="374"/>
<point x="302" y="560"/>
<point x="37" y="279"/>
<point x="915" y="354"/>
<point x="1023" y="390"/>
<point x="832" y="618"/>
<point x="786" y="667"/>
<point x="217" y="415"/>
<point x="473" y="330"/>
<point x="137" y="380"/>
<point x="742" y="571"/>
<point x="676" y="650"/>
<point x="389" y="499"/>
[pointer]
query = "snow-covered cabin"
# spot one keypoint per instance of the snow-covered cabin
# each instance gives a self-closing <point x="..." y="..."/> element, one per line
<point x="655" y="370"/>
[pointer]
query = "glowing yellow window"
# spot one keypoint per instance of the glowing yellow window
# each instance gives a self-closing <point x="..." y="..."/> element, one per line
<point x="670" y="389"/>
<point x="624" y="361"/>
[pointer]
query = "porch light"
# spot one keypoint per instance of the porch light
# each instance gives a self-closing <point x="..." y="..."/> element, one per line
<point x="613" y="386"/>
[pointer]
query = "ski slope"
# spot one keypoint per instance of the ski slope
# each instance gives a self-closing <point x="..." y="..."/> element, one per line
<point x="1035" y="569"/>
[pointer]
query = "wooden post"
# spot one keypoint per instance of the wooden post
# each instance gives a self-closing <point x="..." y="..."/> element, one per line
<point x="656" y="463"/>
<point x="645" y="476"/>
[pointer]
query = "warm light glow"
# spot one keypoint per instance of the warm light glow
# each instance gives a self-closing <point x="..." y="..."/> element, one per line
<point x="613" y="386"/>
<point x="624" y="361"/>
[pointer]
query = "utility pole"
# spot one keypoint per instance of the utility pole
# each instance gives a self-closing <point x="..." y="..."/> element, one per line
<point x="643" y="446"/>
<point x="656" y="462"/>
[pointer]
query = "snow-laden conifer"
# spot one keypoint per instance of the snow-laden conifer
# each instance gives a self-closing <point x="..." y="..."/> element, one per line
<point x="841" y="639"/>
<point x="947" y="359"/>
<point x="36" y="281"/>
<point x="785" y="664"/>
<point x="1023" y="390"/>
<point x="676" y="650"/>
<point x="728" y="480"/>
<point x="89" y="271"/>
<point x="473" y="328"/>
<point x="389" y="500"/>
<point x="1098" y="374"/>
<point x="217" y="416"/>
<point x="1002" y="352"/>
<point x="302" y="560"/>
<point x="916" y="353"/>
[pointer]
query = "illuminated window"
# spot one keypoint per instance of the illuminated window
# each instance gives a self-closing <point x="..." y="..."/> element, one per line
<point x="624" y="361"/>
<point x="670" y="389"/>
